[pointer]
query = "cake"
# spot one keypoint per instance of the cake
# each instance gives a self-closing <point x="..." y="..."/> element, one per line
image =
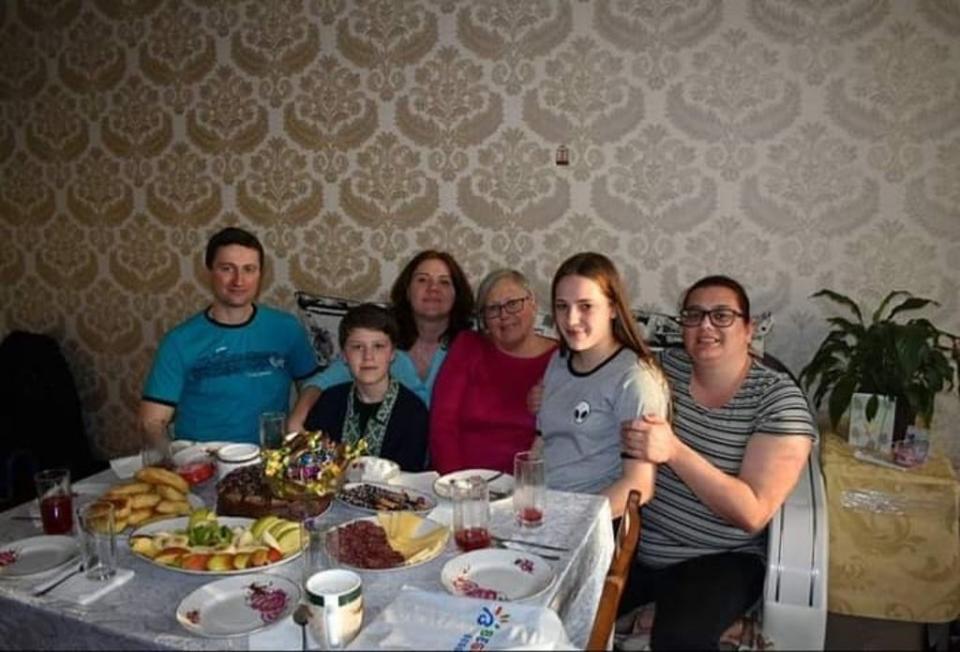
<point x="246" y="492"/>
<point x="294" y="482"/>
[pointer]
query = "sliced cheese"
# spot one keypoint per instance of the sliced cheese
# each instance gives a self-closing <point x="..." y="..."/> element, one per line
<point x="401" y="529"/>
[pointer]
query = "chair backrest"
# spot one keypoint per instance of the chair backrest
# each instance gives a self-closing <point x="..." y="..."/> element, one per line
<point x="627" y="537"/>
<point x="43" y="422"/>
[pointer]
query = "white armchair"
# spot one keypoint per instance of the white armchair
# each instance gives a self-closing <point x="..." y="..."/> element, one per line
<point x="795" y="591"/>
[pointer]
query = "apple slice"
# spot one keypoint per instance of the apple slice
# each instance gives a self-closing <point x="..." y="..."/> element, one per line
<point x="289" y="541"/>
<point x="195" y="561"/>
<point x="241" y="560"/>
<point x="274" y="555"/>
<point x="144" y="546"/>
<point x="170" y="556"/>
<point x="221" y="561"/>
<point x="259" y="557"/>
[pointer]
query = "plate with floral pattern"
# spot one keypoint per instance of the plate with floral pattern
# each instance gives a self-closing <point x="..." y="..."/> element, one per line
<point x="239" y="605"/>
<point x="497" y="574"/>
<point x="36" y="555"/>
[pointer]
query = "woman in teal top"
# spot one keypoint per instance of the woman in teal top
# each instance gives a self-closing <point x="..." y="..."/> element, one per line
<point x="432" y="301"/>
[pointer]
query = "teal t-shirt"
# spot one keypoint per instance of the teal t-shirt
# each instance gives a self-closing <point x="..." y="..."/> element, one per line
<point x="222" y="377"/>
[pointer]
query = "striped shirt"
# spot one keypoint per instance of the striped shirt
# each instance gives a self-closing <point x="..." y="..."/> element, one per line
<point x="676" y="525"/>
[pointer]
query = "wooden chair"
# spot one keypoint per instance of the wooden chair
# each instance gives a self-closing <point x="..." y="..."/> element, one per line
<point x="627" y="537"/>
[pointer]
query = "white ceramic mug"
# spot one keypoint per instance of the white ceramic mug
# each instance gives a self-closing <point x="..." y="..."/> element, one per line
<point x="335" y="598"/>
<point x="234" y="456"/>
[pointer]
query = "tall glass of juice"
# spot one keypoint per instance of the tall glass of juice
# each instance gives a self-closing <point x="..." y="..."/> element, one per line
<point x="56" y="500"/>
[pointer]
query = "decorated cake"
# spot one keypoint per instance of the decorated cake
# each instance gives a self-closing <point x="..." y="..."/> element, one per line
<point x="295" y="481"/>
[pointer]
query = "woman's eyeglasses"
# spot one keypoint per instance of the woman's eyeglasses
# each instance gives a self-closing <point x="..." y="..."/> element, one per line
<point x="511" y="307"/>
<point x="719" y="317"/>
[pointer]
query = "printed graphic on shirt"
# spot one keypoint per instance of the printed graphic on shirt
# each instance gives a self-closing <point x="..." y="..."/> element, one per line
<point x="581" y="412"/>
<point x="254" y="363"/>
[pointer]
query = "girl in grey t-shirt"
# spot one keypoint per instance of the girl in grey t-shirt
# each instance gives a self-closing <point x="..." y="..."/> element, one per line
<point x="602" y="374"/>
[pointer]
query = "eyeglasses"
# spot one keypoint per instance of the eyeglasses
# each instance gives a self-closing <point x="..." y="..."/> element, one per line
<point x="511" y="307"/>
<point x="719" y="317"/>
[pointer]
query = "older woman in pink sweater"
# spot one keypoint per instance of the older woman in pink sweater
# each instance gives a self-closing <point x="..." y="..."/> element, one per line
<point x="478" y="415"/>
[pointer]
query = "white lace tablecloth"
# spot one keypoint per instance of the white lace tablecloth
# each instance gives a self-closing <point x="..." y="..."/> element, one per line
<point x="140" y="614"/>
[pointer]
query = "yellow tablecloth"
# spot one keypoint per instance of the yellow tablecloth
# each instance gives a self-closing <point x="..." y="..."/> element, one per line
<point x="894" y="537"/>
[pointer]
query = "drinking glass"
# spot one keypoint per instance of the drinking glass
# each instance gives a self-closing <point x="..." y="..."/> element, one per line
<point x="56" y="500"/>
<point x="98" y="540"/>
<point x="272" y="429"/>
<point x="529" y="494"/>
<point x="321" y="547"/>
<point x="155" y="445"/>
<point x="471" y="513"/>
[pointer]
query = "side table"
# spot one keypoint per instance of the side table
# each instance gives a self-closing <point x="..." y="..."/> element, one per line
<point x="894" y="537"/>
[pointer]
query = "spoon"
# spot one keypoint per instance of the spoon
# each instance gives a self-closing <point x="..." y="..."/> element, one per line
<point x="301" y="616"/>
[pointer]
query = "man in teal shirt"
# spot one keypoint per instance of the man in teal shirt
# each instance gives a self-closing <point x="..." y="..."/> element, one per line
<point x="216" y="372"/>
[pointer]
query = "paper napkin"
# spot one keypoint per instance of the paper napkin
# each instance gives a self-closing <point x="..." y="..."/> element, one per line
<point x="125" y="467"/>
<point x="79" y="590"/>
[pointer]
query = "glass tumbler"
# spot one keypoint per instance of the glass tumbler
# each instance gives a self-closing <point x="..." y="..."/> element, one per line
<point x="530" y="490"/>
<point x="471" y="513"/>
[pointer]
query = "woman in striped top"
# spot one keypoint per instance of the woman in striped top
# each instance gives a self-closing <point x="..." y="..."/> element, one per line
<point x="740" y="436"/>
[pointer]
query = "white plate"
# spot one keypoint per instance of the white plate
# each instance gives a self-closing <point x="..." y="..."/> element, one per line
<point x="179" y="524"/>
<point x="497" y="574"/>
<point x="236" y="606"/>
<point x="36" y="555"/>
<point x="372" y="469"/>
<point x="502" y="485"/>
<point x="426" y="526"/>
<point x="429" y="501"/>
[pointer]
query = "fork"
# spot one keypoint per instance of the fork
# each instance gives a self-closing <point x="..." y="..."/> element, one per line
<point x="521" y="542"/>
<point x="500" y="543"/>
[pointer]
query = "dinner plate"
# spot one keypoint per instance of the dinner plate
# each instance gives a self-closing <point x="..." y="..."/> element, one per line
<point x="179" y="524"/>
<point x="236" y="606"/>
<point x="501" y="487"/>
<point x="497" y="574"/>
<point x="36" y="555"/>
<point x="425" y="527"/>
<point x="363" y="496"/>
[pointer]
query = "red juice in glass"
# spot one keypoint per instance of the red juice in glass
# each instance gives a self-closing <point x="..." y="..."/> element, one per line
<point x="472" y="538"/>
<point x="56" y="512"/>
<point x="531" y="516"/>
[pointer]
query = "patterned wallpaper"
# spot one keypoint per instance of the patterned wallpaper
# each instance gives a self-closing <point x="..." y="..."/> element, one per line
<point x="792" y="144"/>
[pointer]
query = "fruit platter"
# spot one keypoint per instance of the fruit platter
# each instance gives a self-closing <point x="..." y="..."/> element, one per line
<point x="206" y="544"/>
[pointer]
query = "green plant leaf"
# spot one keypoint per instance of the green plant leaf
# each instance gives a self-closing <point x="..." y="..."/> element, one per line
<point x="883" y="304"/>
<point x="913" y="303"/>
<point x="872" y="404"/>
<point x="840" y="398"/>
<point x="841" y="299"/>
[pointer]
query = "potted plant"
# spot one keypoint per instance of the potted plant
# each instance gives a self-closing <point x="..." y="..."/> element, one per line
<point x="909" y="361"/>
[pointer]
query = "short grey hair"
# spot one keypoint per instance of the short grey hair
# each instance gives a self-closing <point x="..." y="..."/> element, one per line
<point x="491" y="279"/>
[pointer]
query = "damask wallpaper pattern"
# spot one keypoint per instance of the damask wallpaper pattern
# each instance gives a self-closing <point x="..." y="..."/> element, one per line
<point x="792" y="144"/>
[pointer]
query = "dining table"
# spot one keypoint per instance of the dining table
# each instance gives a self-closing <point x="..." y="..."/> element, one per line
<point x="141" y="614"/>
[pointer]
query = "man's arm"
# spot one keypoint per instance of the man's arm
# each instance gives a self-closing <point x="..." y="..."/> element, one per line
<point x="153" y="419"/>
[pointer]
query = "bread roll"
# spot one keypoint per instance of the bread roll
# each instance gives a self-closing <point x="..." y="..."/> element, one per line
<point x="142" y="501"/>
<point x="127" y="488"/>
<point x="172" y="507"/>
<point x="169" y="493"/>
<point x="157" y="475"/>
<point x="138" y="516"/>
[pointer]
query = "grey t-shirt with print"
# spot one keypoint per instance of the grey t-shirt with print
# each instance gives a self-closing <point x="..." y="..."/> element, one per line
<point x="580" y="416"/>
